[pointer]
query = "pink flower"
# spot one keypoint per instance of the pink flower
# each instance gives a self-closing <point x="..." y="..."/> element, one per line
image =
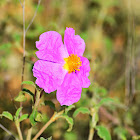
<point x="61" y="66"/>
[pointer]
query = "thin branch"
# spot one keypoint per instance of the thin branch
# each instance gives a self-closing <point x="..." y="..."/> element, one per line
<point x="6" y="130"/>
<point x="41" y="93"/>
<point x="23" y="66"/>
<point x="33" y="16"/>
<point x="44" y="127"/>
<point x="35" y="107"/>
<point x="91" y="131"/>
<point x="29" y="134"/>
<point x="52" y="119"/>
<point x="91" y="134"/>
<point x="21" y="3"/>
<point x="133" y="68"/>
<point x="115" y="121"/>
<point x="62" y="13"/>
<point x="24" y="34"/>
<point x="109" y="116"/>
<point x="128" y="57"/>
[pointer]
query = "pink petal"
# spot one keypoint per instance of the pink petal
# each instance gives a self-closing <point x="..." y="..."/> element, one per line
<point x="70" y="90"/>
<point x="84" y="72"/>
<point x="51" y="47"/>
<point x="49" y="75"/>
<point x="74" y="43"/>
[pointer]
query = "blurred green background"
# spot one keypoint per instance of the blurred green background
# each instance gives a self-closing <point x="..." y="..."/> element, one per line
<point x="111" y="30"/>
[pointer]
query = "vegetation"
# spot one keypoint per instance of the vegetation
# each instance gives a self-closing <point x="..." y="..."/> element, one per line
<point x="109" y="108"/>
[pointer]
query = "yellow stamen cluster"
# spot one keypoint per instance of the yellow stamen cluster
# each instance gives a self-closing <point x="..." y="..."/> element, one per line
<point x="72" y="63"/>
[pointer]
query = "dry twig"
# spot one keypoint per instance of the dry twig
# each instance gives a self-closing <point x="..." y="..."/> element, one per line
<point x="7" y="131"/>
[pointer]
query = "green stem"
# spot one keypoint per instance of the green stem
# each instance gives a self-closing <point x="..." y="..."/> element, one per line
<point x="29" y="134"/>
<point x="19" y="130"/>
<point x="91" y="134"/>
<point x="37" y="100"/>
<point x="93" y="124"/>
<point x="52" y="119"/>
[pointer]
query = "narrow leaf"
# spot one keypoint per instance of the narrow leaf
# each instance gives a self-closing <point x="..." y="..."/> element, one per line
<point x="50" y="138"/>
<point x="28" y="92"/>
<point x="121" y="132"/>
<point x="7" y="115"/>
<point x="32" y="118"/>
<point x="104" y="101"/>
<point x="83" y="110"/>
<point x="23" y="117"/>
<point x="28" y="83"/>
<point x="42" y="138"/>
<point x="69" y="120"/>
<point x="18" y="112"/>
<point x="69" y="108"/>
<point x="103" y="132"/>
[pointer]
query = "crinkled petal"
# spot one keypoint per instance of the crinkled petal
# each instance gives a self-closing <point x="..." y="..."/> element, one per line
<point x="51" y="47"/>
<point x="74" y="43"/>
<point x="70" y="90"/>
<point x="84" y="72"/>
<point x="49" y="75"/>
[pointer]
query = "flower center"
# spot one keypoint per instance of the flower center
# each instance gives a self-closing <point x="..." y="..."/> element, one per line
<point x="72" y="63"/>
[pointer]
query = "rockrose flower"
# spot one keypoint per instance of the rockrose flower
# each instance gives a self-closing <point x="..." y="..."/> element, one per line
<point x="62" y="67"/>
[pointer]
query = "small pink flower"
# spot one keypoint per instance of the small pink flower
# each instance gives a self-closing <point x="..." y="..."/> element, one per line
<point x="61" y="66"/>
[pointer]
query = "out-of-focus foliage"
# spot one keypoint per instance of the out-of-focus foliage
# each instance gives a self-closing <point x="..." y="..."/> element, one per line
<point x="111" y="31"/>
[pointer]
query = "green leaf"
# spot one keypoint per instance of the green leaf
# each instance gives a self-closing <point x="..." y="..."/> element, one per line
<point x="83" y="110"/>
<point x="69" y="108"/>
<point x="98" y="90"/>
<point x="104" y="101"/>
<point x="28" y="83"/>
<point x="42" y="138"/>
<point x="108" y="44"/>
<point x="40" y="8"/>
<point x="50" y="138"/>
<point x="38" y="117"/>
<point x="32" y="118"/>
<point x="70" y="136"/>
<point x="69" y="120"/>
<point x="111" y="20"/>
<point x="103" y="132"/>
<point x="45" y="118"/>
<point x="20" y="98"/>
<point x="16" y="37"/>
<point x="5" y="46"/>
<point x="121" y="132"/>
<point x="24" y="90"/>
<point x="23" y="117"/>
<point x="18" y="112"/>
<point x="7" y="115"/>
<point x="84" y="36"/>
<point x="50" y="103"/>
<point x="27" y="91"/>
